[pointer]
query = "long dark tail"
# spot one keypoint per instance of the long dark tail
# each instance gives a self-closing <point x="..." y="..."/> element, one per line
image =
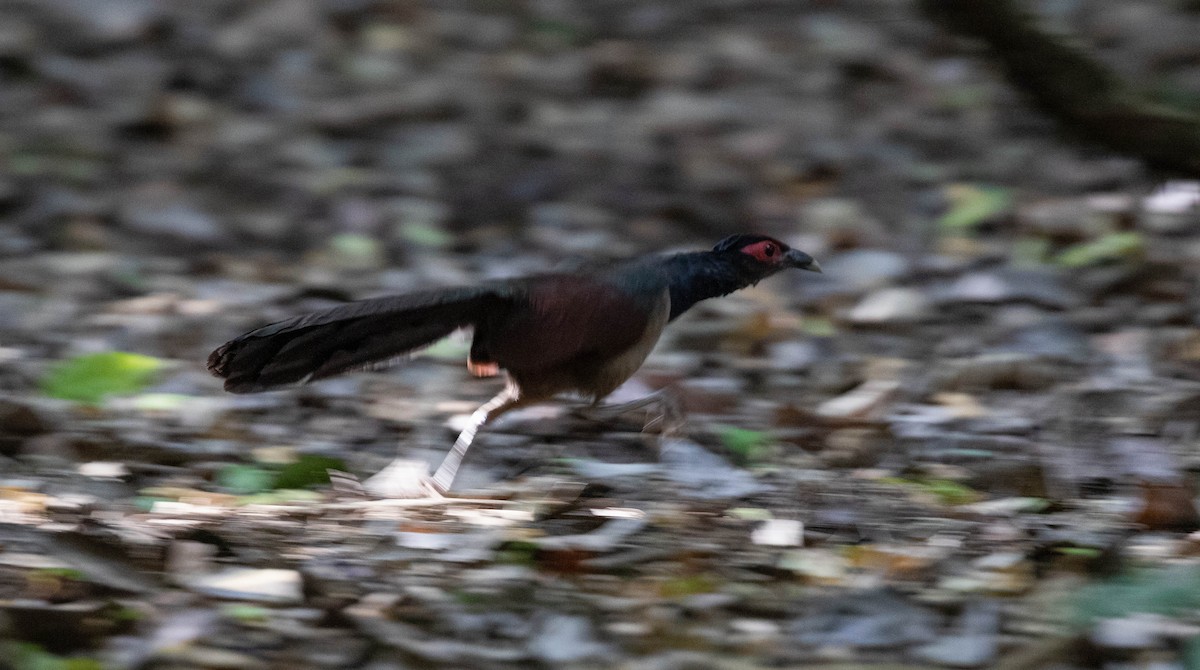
<point x="353" y="336"/>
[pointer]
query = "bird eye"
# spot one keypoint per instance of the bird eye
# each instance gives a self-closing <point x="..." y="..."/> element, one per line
<point x="769" y="250"/>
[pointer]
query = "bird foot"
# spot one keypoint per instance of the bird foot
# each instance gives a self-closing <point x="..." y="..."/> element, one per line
<point x="404" y="479"/>
<point x="663" y="409"/>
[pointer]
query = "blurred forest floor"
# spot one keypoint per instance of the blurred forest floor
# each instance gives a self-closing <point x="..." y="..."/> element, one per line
<point x="972" y="442"/>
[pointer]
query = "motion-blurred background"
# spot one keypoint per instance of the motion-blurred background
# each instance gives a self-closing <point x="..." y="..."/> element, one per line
<point x="1008" y="313"/>
<point x="603" y="127"/>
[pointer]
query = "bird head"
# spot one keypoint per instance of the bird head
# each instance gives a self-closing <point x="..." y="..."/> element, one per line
<point x="763" y="256"/>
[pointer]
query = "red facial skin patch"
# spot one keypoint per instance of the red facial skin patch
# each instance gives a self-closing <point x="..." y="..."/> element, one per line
<point x="767" y="251"/>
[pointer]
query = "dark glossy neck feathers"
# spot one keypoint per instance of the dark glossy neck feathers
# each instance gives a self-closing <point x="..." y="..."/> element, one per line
<point x="693" y="277"/>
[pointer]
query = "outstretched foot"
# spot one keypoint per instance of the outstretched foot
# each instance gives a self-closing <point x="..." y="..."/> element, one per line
<point x="404" y="479"/>
<point x="663" y="410"/>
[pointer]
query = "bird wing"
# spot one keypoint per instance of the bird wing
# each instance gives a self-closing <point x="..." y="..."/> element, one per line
<point x="557" y="319"/>
<point x="357" y="335"/>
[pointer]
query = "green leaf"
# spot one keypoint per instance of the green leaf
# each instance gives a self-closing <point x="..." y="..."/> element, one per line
<point x="128" y="614"/>
<point x="353" y="244"/>
<point x="517" y="552"/>
<point x="950" y="493"/>
<point x="746" y="446"/>
<point x="61" y="573"/>
<point x="818" y="327"/>
<point x="1030" y="251"/>
<point x="93" y="377"/>
<point x="1115" y="246"/>
<point x="1191" y="654"/>
<point x="425" y="235"/>
<point x="146" y="503"/>
<point x="29" y="656"/>
<point x="1167" y="591"/>
<point x="946" y="491"/>
<point x="352" y="251"/>
<point x="469" y="598"/>
<point x="974" y="205"/>
<point x="26" y="164"/>
<point x="308" y="470"/>
<point x="246" y="613"/>
<point x="561" y="32"/>
<point x="749" y="513"/>
<point x="1079" y="552"/>
<point x="245" y="479"/>
<point x="690" y="585"/>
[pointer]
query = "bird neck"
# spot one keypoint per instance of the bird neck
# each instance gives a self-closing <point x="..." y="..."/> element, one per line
<point x="701" y="275"/>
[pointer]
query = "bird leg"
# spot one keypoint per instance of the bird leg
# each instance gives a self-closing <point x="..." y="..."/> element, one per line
<point x="508" y="399"/>
<point x="669" y="415"/>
